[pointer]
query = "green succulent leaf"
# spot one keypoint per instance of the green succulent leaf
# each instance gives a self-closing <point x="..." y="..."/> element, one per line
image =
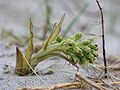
<point x="22" y="67"/>
<point x="53" y="36"/>
<point x="30" y="43"/>
<point x="47" y="41"/>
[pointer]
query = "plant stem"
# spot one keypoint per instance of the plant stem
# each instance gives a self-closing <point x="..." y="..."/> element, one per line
<point x="103" y="38"/>
<point x="45" y="54"/>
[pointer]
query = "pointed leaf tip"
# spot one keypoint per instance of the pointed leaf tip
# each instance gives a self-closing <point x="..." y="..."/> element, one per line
<point x="53" y="36"/>
<point x="22" y="68"/>
<point x="29" y="50"/>
<point x="31" y="27"/>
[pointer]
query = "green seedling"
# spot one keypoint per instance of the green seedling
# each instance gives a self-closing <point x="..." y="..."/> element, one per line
<point x="72" y="49"/>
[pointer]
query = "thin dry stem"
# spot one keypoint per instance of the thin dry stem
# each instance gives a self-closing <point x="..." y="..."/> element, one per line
<point x="103" y="37"/>
<point x="73" y="85"/>
<point x="88" y="81"/>
<point x="36" y="75"/>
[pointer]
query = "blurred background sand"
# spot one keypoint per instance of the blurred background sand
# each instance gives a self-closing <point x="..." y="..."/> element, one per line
<point x="15" y="14"/>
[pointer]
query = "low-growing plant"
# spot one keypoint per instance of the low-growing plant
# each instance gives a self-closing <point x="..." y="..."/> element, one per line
<point x="72" y="49"/>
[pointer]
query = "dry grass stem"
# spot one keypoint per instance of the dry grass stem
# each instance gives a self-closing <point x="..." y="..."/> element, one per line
<point x="73" y="85"/>
<point x="103" y="37"/>
<point x="88" y="81"/>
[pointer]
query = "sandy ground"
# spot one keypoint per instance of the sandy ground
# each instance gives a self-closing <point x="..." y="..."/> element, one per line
<point x="14" y="16"/>
<point x="51" y="71"/>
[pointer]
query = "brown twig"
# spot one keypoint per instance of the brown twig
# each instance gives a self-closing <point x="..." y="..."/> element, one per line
<point x="103" y="37"/>
<point x="72" y="85"/>
<point x="88" y="81"/>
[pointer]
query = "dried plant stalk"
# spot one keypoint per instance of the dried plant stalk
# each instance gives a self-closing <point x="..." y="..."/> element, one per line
<point x="88" y="81"/>
<point x="103" y="37"/>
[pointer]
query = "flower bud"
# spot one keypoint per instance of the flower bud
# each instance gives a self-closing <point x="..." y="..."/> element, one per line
<point x="96" y="47"/>
<point x="78" y="51"/>
<point x="83" y="60"/>
<point x="86" y="42"/>
<point x="92" y="46"/>
<point x="86" y="49"/>
<point x="78" y="36"/>
<point x="94" y="53"/>
<point x="90" y="55"/>
<point x="70" y="42"/>
<point x="91" y="60"/>
<point x="59" y="39"/>
<point x="91" y="40"/>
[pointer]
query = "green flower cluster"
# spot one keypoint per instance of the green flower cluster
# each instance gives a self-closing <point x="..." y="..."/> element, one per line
<point x="73" y="49"/>
<point x="79" y="52"/>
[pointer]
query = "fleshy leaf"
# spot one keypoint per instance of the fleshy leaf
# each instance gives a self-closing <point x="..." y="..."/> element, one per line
<point x="21" y="66"/>
<point x="30" y="43"/>
<point x="54" y="34"/>
<point x="47" y="41"/>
